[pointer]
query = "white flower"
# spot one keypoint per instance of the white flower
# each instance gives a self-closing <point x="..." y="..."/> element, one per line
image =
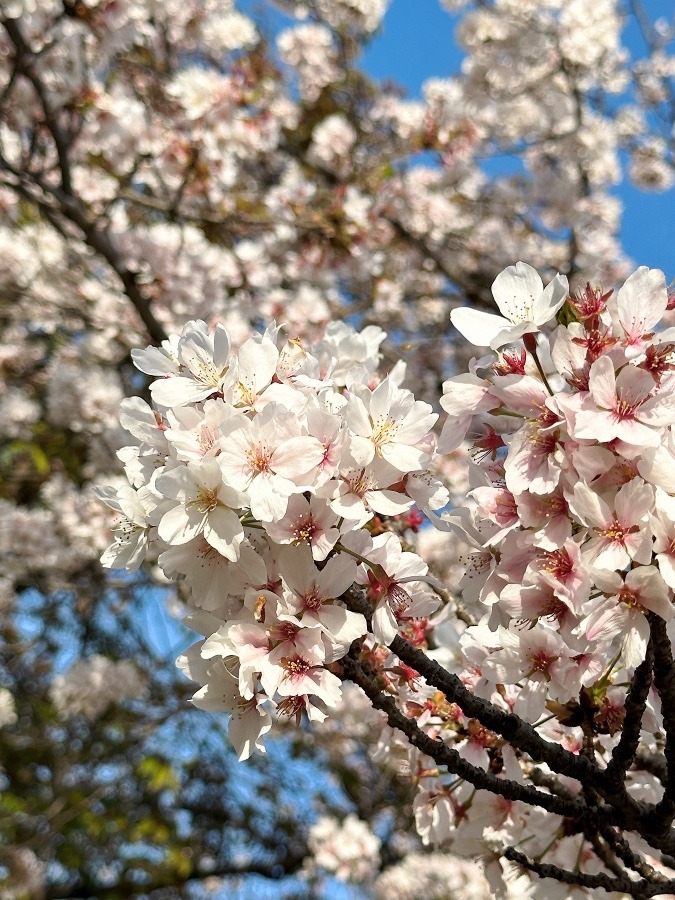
<point x="8" y="714"/>
<point x="249" y="718"/>
<point x="131" y="531"/>
<point x="203" y="360"/>
<point x="350" y="850"/>
<point x="390" y="423"/>
<point x="310" y="594"/>
<point x="267" y="457"/>
<point x="523" y="302"/>
<point x="204" y="503"/>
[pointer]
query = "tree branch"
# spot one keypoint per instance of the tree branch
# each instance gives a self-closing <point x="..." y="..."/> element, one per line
<point x="662" y="816"/>
<point x="636" y="701"/>
<point x="446" y="756"/>
<point x="638" y="889"/>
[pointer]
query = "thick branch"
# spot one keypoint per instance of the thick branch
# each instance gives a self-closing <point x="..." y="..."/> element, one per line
<point x="450" y="758"/>
<point x="636" y="701"/>
<point x="634" y="861"/>
<point x="664" y="679"/>
<point x="638" y="889"/>
<point x="512" y="728"/>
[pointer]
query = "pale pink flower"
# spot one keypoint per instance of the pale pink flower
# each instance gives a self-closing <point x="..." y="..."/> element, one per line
<point x="251" y="371"/>
<point x="497" y="505"/>
<point x="548" y="514"/>
<point x="394" y="586"/>
<point x="311" y="593"/>
<point x="657" y="464"/>
<point x="144" y="423"/>
<point x="390" y="423"/>
<point x="663" y="526"/>
<point x="300" y="676"/>
<point x="311" y="522"/>
<point x="195" y="433"/>
<point x="434" y="813"/>
<point x="464" y="396"/>
<point x="562" y="570"/>
<point x="358" y="491"/>
<point x="541" y="656"/>
<point x="622" y="612"/>
<point x="211" y="577"/>
<point x="534" y="458"/>
<point x="249" y="719"/>
<point x="203" y="360"/>
<point x="267" y="458"/>
<point x="622" y="530"/>
<point x="626" y="406"/>
<point x="641" y="303"/>
<point x="131" y="530"/>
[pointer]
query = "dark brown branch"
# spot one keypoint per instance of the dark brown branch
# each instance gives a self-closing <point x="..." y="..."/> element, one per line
<point x="512" y="728"/>
<point x="634" y="861"/>
<point x="445" y="756"/>
<point x="25" y="61"/>
<point x="663" y="814"/>
<point x="638" y="889"/>
<point x="654" y="763"/>
<point x="636" y="701"/>
<point x="619" y="808"/>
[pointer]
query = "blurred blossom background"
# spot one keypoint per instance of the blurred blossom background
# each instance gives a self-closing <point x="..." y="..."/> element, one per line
<point x="357" y="160"/>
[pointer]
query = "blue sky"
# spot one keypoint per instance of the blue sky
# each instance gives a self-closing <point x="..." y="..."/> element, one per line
<point x="417" y="42"/>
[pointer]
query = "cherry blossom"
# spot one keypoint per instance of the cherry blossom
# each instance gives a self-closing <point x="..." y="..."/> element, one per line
<point x="524" y="304"/>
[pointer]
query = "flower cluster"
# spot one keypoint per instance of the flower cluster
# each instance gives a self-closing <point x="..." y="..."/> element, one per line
<point x="91" y="685"/>
<point x="260" y="478"/>
<point x="571" y="519"/>
<point x="278" y="481"/>
<point x="347" y="849"/>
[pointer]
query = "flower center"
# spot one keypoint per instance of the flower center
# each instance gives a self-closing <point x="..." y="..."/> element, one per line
<point x="541" y="661"/>
<point x="305" y="530"/>
<point x="383" y="433"/>
<point x="559" y="564"/>
<point x="624" y="410"/>
<point x="259" y="459"/>
<point x="360" y="483"/>
<point x="617" y="532"/>
<point x="312" y="600"/>
<point x="206" y="499"/>
<point x="295" y="667"/>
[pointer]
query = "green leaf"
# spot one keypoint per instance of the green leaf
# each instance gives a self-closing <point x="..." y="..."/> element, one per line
<point x="158" y="773"/>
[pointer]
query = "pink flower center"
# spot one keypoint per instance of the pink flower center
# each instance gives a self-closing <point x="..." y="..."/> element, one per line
<point x="295" y="667"/>
<point x="206" y="440"/>
<point x="284" y="631"/>
<point x="559" y="564"/>
<point x="305" y="530"/>
<point x="622" y="409"/>
<point x="541" y="661"/>
<point x="259" y="459"/>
